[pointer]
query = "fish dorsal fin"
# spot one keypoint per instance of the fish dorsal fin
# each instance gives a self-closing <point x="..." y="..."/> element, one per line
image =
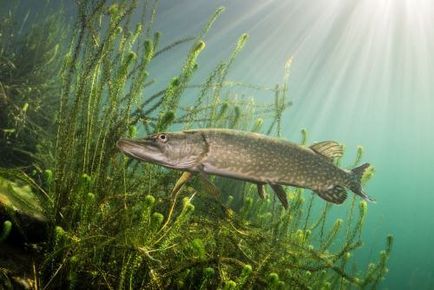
<point x="328" y="149"/>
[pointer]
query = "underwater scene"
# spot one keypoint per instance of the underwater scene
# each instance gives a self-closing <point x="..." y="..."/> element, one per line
<point x="251" y="144"/>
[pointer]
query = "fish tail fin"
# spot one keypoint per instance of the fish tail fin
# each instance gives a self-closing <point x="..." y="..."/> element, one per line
<point x="356" y="186"/>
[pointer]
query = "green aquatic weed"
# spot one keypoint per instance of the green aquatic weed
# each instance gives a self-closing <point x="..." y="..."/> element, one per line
<point x="6" y="230"/>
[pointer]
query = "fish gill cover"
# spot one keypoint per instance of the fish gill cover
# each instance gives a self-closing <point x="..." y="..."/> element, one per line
<point x="112" y="221"/>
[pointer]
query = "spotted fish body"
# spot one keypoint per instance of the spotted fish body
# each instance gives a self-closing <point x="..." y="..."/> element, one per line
<point x="252" y="157"/>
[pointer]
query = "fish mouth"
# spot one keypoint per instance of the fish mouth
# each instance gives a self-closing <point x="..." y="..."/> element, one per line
<point x="142" y="149"/>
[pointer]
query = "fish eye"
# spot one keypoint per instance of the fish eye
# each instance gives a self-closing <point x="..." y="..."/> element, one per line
<point x="162" y="138"/>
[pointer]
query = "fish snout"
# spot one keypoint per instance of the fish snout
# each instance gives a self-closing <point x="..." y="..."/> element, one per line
<point x="137" y="148"/>
<point x="122" y="143"/>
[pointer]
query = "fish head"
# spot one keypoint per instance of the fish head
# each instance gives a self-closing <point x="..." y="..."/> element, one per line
<point x="180" y="150"/>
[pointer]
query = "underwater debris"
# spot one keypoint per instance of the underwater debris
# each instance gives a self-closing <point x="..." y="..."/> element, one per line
<point x="23" y="208"/>
<point x="25" y="223"/>
<point x="252" y="157"/>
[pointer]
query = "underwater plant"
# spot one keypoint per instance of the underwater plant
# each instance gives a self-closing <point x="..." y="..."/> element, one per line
<point x="115" y="223"/>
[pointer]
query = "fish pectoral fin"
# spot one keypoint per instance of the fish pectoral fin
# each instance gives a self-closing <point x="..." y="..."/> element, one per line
<point x="328" y="149"/>
<point x="281" y="194"/>
<point x="209" y="187"/>
<point x="336" y="194"/>
<point x="261" y="190"/>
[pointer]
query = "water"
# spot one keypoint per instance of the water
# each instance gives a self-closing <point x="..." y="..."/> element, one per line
<point x="361" y="74"/>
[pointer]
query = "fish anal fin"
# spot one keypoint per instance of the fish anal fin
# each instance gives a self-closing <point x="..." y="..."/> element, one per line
<point x="336" y="194"/>
<point x="328" y="149"/>
<point x="281" y="194"/>
<point x="261" y="190"/>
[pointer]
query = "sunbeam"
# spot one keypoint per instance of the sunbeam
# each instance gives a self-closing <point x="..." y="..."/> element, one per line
<point x="361" y="74"/>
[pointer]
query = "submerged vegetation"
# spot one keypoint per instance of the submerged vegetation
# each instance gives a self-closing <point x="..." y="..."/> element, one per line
<point x="113" y="223"/>
<point x="29" y="68"/>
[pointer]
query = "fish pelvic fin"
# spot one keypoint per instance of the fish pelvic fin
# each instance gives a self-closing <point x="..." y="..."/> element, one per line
<point x="281" y="194"/>
<point x="261" y="190"/>
<point x="336" y="194"/>
<point x="356" y="186"/>
<point x="208" y="186"/>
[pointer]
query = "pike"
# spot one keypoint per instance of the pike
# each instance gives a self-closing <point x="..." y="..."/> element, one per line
<point x="254" y="158"/>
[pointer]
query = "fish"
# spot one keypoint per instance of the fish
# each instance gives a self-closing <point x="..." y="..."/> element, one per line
<point x="254" y="158"/>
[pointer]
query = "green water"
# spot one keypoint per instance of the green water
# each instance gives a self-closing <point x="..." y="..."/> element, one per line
<point x="361" y="74"/>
